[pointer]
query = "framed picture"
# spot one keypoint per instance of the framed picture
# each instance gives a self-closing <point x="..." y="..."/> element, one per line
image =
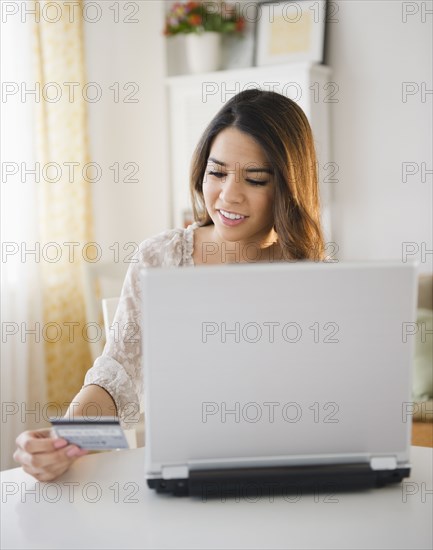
<point x="290" y="31"/>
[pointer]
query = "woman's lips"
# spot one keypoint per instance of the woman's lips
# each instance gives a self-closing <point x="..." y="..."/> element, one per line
<point x="228" y="222"/>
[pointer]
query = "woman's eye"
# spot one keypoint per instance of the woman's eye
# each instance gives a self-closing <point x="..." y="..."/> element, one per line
<point x="216" y="174"/>
<point x="221" y="175"/>
<point x="256" y="182"/>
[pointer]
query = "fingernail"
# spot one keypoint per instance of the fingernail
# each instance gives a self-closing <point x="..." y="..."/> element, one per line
<point x="60" y="443"/>
<point x="74" y="451"/>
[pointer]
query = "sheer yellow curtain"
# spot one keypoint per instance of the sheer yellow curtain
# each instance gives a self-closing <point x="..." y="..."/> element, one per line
<point x="65" y="218"/>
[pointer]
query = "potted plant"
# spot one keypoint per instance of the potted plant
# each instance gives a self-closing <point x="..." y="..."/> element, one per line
<point x="203" y="24"/>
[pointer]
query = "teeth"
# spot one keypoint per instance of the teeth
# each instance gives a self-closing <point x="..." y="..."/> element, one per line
<point x="231" y="216"/>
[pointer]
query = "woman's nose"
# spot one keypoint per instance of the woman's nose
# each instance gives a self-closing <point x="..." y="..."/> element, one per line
<point x="231" y="189"/>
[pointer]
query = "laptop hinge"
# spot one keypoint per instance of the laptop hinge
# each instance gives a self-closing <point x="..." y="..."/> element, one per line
<point x="174" y="472"/>
<point x="383" y="462"/>
<point x="278" y="480"/>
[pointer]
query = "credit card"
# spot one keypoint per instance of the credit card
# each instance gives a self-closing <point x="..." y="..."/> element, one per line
<point x="104" y="434"/>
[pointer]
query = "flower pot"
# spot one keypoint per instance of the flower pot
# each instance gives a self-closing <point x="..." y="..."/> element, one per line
<point x="203" y="52"/>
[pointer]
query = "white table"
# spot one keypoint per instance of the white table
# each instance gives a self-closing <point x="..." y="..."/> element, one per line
<point x="126" y="514"/>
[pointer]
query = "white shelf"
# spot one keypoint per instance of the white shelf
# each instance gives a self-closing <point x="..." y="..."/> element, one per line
<point x="247" y="72"/>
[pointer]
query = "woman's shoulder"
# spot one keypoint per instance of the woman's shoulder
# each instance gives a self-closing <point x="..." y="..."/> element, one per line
<point x="172" y="247"/>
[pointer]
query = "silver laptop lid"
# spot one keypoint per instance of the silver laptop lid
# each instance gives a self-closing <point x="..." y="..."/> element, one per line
<point x="277" y="364"/>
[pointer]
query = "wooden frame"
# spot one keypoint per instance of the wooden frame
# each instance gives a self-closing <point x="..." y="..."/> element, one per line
<point x="290" y="31"/>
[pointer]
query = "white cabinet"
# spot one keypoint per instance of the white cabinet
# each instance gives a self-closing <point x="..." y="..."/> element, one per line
<point x="193" y="100"/>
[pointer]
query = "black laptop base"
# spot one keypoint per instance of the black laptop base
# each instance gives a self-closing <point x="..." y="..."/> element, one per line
<point x="278" y="481"/>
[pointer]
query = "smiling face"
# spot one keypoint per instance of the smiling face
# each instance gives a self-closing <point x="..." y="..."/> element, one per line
<point x="238" y="189"/>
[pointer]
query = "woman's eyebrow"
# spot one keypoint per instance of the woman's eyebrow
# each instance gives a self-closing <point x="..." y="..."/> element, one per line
<point x="220" y="162"/>
<point x="250" y="170"/>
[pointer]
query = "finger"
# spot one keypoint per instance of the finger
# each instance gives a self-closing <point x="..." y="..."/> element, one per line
<point x="24" y="459"/>
<point x="43" y="476"/>
<point x="59" y="458"/>
<point x="36" y="442"/>
<point x="57" y="469"/>
<point x="32" y="463"/>
<point x="41" y="462"/>
<point x="73" y="451"/>
<point x="30" y="471"/>
<point x="38" y="464"/>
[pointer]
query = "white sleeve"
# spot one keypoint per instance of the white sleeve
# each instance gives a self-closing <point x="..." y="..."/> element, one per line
<point x="119" y="369"/>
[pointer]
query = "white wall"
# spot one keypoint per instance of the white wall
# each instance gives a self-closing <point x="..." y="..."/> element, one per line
<point x="372" y="52"/>
<point x="128" y="132"/>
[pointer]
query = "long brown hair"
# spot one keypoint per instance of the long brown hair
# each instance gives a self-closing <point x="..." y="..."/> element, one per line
<point x="281" y="128"/>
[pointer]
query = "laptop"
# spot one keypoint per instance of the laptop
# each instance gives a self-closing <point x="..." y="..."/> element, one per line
<point x="280" y="377"/>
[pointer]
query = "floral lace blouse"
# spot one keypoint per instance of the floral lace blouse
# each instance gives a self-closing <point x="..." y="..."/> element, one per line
<point x="118" y="370"/>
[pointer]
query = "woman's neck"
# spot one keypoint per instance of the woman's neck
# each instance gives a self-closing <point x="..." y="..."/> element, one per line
<point x="265" y="248"/>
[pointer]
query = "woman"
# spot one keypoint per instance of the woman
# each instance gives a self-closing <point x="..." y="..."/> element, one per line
<point x="255" y="197"/>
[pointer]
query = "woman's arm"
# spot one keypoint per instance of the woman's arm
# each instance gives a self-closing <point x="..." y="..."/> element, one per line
<point x="118" y="370"/>
<point x="92" y="401"/>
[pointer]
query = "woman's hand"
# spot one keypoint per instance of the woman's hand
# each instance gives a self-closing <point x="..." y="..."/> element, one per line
<point x="45" y="456"/>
